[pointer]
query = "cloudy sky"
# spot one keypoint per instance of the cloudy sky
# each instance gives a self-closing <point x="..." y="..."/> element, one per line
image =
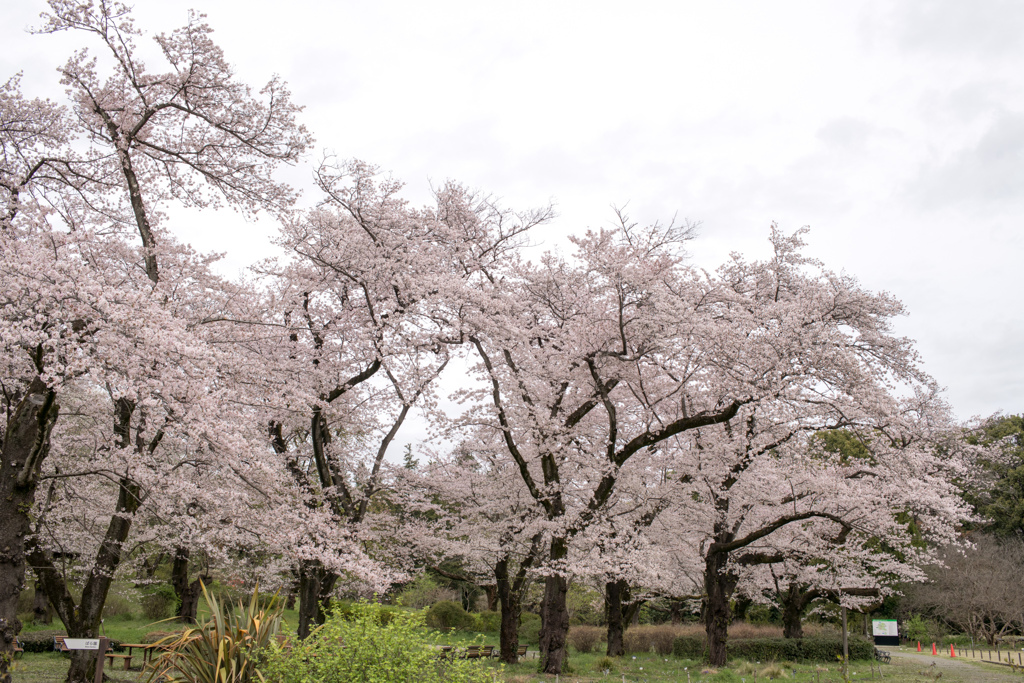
<point x="895" y="130"/>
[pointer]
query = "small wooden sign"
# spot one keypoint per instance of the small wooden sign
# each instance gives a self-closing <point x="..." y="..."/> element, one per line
<point x="82" y="643"/>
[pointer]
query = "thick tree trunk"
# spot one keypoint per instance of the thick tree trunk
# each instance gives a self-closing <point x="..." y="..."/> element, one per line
<point x="315" y="587"/>
<point x="492" y="597"/>
<point x="719" y="586"/>
<point x="26" y="442"/>
<point x="794" y="602"/>
<point x="675" y="608"/>
<point x="187" y="592"/>
<point x="83" y="620"/>
<point x="511" y="609"/>
<point x="554" y="614"/>
<point x="42" y="610"/>
<point x="615" y="592"/>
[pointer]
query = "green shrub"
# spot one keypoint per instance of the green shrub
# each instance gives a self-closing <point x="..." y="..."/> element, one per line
<point x="118" y="606"/>
<point x="424" y="592"/>
<point x="159" y="602"/>
<point x="605" y="664"/>
<point x="446" y="615"/>
<point x="488" y="621"/>
<point x="821" y="649"/>
<point x="39" y="641"/>
<point x="762" y="615"/>
<point x="373" y="652"/>
<point x="529" y="628"/>
<point x="585" y="605"/>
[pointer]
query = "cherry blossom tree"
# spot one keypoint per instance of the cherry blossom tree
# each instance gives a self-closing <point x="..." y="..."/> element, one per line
<point x="471" y="505"/>
<point x="623" y="350"/>
<point x="76" y="317"/>
<point x="363" y="308"/>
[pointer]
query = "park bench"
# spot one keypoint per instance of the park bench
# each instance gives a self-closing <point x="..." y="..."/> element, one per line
<point x="60" y="646"/>
<point x="18" y="648"/>
<point x="883" y="656"/>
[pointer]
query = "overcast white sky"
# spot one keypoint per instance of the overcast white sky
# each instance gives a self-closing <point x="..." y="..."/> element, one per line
<point x="894" y="129"/>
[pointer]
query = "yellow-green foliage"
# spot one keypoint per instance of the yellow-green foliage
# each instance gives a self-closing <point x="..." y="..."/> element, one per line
<point x="225" y="649"/>
<point x="363" y="648"/>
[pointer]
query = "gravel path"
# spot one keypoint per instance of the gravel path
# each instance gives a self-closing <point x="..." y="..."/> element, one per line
<point x="966" y="671"/>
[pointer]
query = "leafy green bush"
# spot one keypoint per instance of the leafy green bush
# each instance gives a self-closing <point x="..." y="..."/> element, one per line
<point x="777" y="649"/>
<point x="425" y="591"/>
<point x="585" y="605"/>
<point x="446" y="615"/>
<point x="488" y="621"/>
<point x="371" y="652"/>
<point x="118" y="606"/>
<point x="529" y="628"/>
<point x="763" y="614"/>
<point x="159" y="602"/>
<point x="39" y="641"/>
<point x="228" y="648"/>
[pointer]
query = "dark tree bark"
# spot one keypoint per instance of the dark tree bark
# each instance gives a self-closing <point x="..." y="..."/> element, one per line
<point x="83" y="620"/>
<point x="26" y="443"/>
<point x="719" y="585"/>
<point x="676" y="610"/>
<point x="491" y="593"/>
<point x="42" y="610"/>
<point x="315" y="587"/>
<point x="188" y="592"/>
<point x="554" y="614"/>
<point x="794" y="602"/>
<point x="614" y="595"/>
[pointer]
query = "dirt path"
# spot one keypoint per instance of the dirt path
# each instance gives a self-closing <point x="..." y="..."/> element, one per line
<point x="964" y="670"/>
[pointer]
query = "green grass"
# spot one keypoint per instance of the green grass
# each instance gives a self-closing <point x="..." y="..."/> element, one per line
<point x="51" y="667"/>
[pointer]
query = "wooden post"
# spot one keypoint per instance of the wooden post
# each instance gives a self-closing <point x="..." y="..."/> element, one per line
<point x="100" y="658"/>
<point x="846" y="648"/>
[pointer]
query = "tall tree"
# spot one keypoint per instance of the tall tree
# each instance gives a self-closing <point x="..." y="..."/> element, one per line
<point x="193" y="134"/>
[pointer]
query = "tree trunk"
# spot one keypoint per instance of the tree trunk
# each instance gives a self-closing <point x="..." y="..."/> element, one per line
<point x="491" y="592"/>
<point x="794" y="601"/>
<point x="614" y="594"/>
<point x="675" y="608"/>
<point x="83" y="620"/>
<point x="554" y="614"/>
<point x="26" y="442"/>
<point x="42" y="611"/>
<point x="187" y="592"/>
<point x="315" y="587"/>
<point x="719" y="586"/>
<point x="511" y="609"/>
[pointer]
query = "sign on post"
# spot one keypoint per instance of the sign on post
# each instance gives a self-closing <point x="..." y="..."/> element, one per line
<point x="82" y="643"/>
<point x="100" y="645"/>
<point x="885" y="631"/>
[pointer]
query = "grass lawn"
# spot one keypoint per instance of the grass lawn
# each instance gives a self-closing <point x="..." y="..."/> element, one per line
<point x="588" y="668"/>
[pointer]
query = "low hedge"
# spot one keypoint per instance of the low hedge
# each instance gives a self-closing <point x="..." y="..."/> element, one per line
<point x="42" y="641"/>
<point x="777" y="649"/>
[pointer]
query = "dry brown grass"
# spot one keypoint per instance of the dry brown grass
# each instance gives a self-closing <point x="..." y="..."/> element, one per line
<point x="585" y="638"/>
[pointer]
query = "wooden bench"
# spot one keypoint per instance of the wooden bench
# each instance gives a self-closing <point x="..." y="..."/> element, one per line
<point x="18" y="648"/>
<point x="60" y="646"/>
<point x="883" y="656"/>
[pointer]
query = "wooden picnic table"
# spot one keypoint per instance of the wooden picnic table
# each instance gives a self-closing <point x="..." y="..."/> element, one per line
<point x="147" y="650"/>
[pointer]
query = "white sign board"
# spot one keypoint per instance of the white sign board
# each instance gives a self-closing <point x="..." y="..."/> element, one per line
<point x="82" y="643"/>
<point x="884" y="627"/>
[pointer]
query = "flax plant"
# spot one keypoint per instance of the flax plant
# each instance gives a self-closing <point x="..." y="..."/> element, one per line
<point x="227" y="648"/>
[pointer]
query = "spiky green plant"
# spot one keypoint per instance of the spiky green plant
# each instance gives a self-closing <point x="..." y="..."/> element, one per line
<point x="227" y="648"/>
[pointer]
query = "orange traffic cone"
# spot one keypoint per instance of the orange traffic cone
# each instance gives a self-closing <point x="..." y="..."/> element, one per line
<point x="919" y="646"/>
<point x="952" y="652"/>
<point x="934" y="651"/>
